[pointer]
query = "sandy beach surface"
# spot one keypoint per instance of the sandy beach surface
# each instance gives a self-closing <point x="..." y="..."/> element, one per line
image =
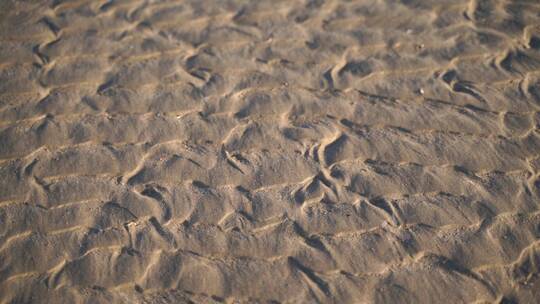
<point x="232" y="151"/>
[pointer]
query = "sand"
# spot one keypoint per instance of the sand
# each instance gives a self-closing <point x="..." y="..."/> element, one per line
<point x="371" y="151"/>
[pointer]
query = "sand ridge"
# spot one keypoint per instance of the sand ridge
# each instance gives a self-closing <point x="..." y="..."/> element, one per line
<point x="317" y="151"/>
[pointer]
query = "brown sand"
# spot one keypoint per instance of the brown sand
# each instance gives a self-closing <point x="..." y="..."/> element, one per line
<point x="376" y="151"/>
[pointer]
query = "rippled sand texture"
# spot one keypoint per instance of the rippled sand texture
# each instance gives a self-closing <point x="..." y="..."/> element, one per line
<point x="374" y="151"/>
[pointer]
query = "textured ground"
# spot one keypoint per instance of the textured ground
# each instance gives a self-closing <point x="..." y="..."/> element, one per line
<point x="374" y="151"/>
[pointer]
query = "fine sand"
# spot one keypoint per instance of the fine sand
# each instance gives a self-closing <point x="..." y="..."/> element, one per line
<point x="294" y="151"/>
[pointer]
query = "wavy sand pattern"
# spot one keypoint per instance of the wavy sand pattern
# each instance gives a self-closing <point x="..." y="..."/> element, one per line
<point x="328" y="151"/>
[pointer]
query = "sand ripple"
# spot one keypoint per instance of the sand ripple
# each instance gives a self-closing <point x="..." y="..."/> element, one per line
<point x="270" y="151"/>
